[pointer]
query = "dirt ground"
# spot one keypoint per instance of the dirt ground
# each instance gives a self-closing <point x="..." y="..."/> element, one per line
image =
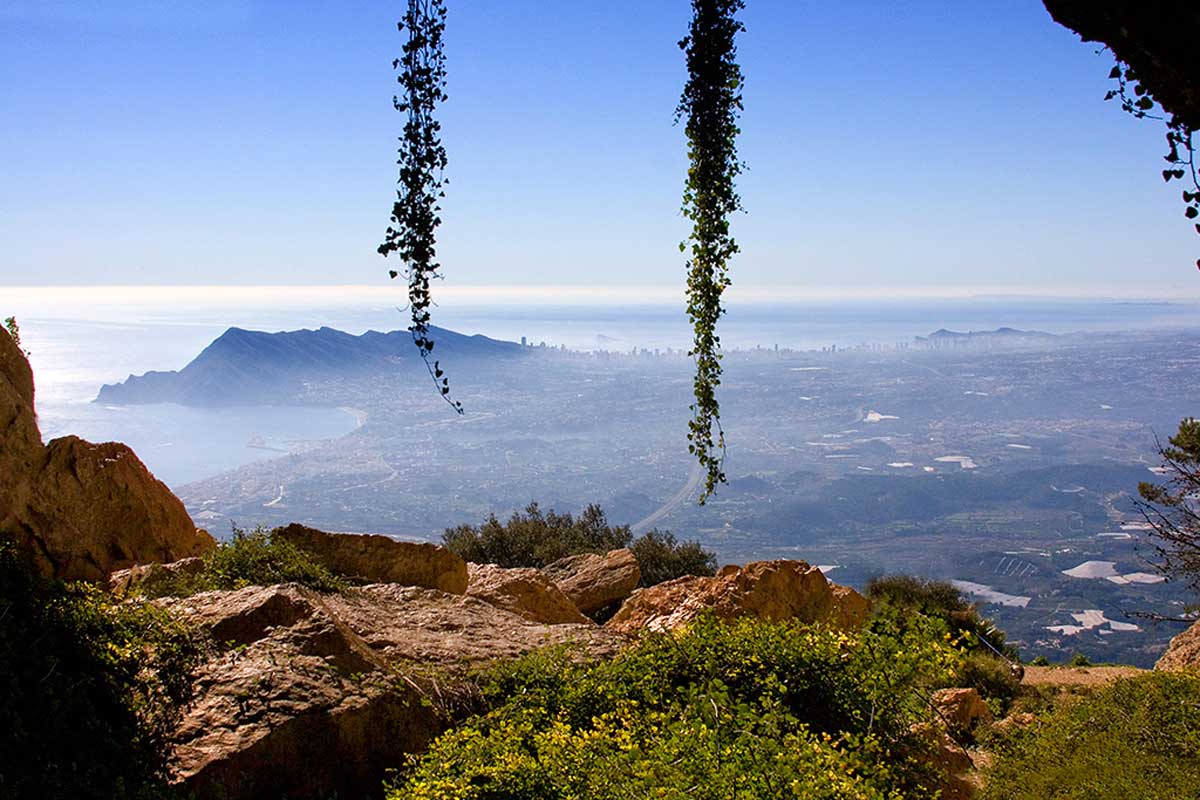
<point x="1090" y="677"/>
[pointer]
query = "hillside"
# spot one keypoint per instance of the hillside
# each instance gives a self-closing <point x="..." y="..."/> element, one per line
<point x="243" y="367"/>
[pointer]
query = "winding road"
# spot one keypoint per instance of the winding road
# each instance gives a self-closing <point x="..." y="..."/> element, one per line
<point x="693" y="481"/>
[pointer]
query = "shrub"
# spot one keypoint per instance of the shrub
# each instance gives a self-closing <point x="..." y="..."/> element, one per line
<point x="534" y="538"/>
<point x="662" y="558"/>
<point x="1079" y="660"/>
<point x="89" y="689"/>
<point x="257" y="558"/>
<point x="1138" y="738"/>
<point x="1040" y="661"/>
<point x="941" y="599"/>
<point x="743" y="709"/>
<point x="996" y="681"/>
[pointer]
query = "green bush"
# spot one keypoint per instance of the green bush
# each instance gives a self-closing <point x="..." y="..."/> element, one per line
<point x="89" y="689"/>
<point x="746" y="709"/>
<point x="257" y="558"/>
<point x="1139" y="738"/>
<point x="662" y="558"/>
<point x="534" y="538"/>
<point x="1079" y="660"/>
<point x="943" y="600"/>
<point x="997" y="681"/>
<point x="1040" y="661"/>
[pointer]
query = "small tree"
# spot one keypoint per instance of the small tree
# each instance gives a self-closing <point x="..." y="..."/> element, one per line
<point x="1171" y="507"/>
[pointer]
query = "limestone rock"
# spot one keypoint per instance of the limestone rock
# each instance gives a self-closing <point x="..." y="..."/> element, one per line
<point x="593" y="581"/>
<point x="81" y="510"/>
<point x="382" y="559"/>
<point x="151" y="579"/>
<point x="526" y="592"/>
<point x="850" y="609"/>
<point x="960" y="709"/>
<point x="318" y="696"/>
<point x="767" y="590"/>
<point x="20" y="442"/>
<point x="96" y="508"/>
<point x="1013" y="723"/>
<point x="1184" y="651"/>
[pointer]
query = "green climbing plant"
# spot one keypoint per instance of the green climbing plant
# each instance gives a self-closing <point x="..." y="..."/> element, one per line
<point x="422" y="161"/>
<point x="711" y="104"/>
<point x="1135" y="99"/>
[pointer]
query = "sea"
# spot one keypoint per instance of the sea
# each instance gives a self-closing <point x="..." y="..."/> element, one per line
<point x="80" y="338"/>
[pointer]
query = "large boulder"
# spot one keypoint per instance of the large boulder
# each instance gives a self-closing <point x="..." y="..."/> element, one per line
<point x="80" y="510"/>
<point x="960" y="709"/>
<point x="20" y="441"/>
<point x="381" y="559"/>
<point x="766" y="590"/>
<point x="525" y="591"/>
<point x="850" y="609"/>
<point x="1184" y="651"/>
<point x="594" y="581"/>
<point x="313" y="695"/>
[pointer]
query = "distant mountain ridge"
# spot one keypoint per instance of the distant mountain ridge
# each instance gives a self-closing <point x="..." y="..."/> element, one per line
<point x="244" y="367"/>
<point x="942" y="333"/>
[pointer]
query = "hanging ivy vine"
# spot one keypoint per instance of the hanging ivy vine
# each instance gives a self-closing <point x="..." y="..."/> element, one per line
<point x="422" y="161"/>
<point x="1135" y="99"/>
<point x="710" y="104"/>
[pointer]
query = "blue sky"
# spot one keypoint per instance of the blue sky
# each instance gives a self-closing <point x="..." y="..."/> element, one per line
<point x="953" y="146"/>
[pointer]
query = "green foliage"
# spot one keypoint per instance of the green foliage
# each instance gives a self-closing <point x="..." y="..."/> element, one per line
<point x="996" y="680"/>
<point x="1136" y="99"/>
<point x="257" y="558"/>
<point x="942" y="600"/>
<point x="711" y="103"/>
<point x="1040" y="661"/>
<point x="723" y="710"/>
<point x="661" y="557"/>
<point x="422" y="161"/>
<point x="1170" y="508"/>
<point x="1079" y="660"/>
<point x="534" y="538"/>
<point x="1138" y="738"/>
<point x="14" y="330"/>
<point x="89" y="689"/>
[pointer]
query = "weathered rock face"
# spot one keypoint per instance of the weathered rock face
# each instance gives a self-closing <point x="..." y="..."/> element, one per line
<point x="313" y="694"/>
<point x="1184" y="651"/>
<point x="526" y="592"/>
<point x="381" y="559"/>
<point x="20" y="442"/>
<point x="593" y="581"/>
<point x="850" y="609"/>
<point x="768" y="590"/>
<point x="81" y="510"/>
<point x="960" y="710"/>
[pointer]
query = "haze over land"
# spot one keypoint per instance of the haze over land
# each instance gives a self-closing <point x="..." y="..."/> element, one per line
<point x="1006" y="461"/>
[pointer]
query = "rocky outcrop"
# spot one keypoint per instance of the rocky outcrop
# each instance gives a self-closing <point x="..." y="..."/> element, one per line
<point x="81" y="510"/>
<point x="960" y="710"/>
<point x="767" y="590"/>
<point x="526" y="592"/>
<point x="593" y="581"/>
<point x="1184" y="651"/>
<point x="153" y="580"/>
<point x="20" y="442"/>
<point x="850" y="609"/>
<point x="314" y="695"/>
<point x="380" y="559"/>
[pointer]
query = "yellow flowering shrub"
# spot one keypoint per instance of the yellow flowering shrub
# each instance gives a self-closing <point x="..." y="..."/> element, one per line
<point x="722" y="710"/>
